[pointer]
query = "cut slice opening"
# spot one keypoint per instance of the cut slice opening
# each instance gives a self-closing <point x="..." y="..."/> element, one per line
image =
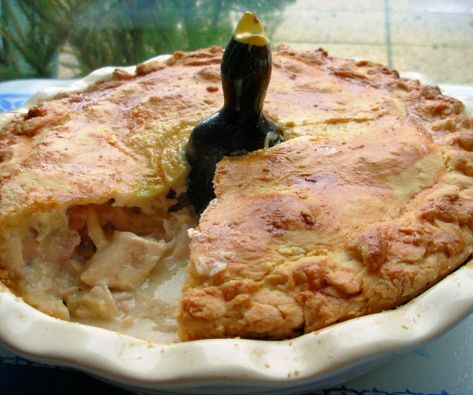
<point x="120" y="268"/>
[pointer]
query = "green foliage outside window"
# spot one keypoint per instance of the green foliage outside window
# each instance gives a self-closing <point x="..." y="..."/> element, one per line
<point x="114" y="32"/>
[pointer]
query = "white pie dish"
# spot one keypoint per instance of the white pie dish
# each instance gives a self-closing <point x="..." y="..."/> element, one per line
<point x="312" y="361"/>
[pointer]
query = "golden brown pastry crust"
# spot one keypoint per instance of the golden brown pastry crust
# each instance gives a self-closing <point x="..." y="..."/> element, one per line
<point x="368" y="203"/>
<point x="121" y="139"/>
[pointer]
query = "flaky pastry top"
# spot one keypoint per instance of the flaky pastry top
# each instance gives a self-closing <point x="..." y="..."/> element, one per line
<point x="367" y="203"/>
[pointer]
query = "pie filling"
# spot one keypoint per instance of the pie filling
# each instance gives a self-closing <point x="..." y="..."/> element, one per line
<point x="121" y="268"/>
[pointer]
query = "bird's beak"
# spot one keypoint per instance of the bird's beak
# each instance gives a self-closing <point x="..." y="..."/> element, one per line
<point x="250" y="30"/>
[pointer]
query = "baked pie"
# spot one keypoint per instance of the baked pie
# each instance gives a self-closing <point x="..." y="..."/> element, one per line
<point x="366" y="202"/>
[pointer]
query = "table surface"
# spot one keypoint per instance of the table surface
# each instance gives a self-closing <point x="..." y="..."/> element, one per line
<point x="441" y="367"/>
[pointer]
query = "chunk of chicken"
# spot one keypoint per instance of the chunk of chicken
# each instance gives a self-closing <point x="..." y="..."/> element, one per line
<point x="124" y="262"/>
<point x="98" y="303"/>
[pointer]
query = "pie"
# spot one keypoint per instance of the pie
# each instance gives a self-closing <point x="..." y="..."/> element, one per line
<point x="366" y="203"/>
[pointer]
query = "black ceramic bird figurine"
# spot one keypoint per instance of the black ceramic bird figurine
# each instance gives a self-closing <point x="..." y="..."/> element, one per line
<point x="239" y="127"/>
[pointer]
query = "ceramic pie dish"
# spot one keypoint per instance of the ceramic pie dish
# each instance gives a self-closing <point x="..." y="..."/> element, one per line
<point x="315" y="360"/>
